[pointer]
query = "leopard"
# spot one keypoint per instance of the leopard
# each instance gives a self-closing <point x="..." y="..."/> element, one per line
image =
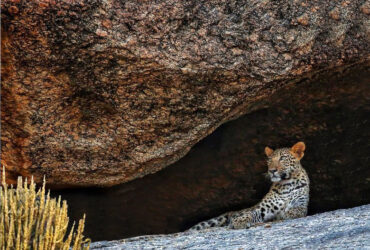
<point x="287" y="198"/>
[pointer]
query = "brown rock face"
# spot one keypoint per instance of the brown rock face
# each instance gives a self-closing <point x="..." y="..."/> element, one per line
<point x="103" y="92"/>
<point x="224" y="172"/>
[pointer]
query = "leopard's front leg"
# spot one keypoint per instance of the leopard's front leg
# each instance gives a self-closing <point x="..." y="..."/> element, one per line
<point x="245" y="219"/>
<point x="293" y="213"/>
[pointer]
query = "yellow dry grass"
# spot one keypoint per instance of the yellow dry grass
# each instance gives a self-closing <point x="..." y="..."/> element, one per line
<point x="30" y="219"/>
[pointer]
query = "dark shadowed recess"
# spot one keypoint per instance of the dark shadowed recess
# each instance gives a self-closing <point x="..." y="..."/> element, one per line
<point x="330" y="113"/>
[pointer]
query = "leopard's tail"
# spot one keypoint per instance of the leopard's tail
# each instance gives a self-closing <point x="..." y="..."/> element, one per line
<point x="220" y="221"/>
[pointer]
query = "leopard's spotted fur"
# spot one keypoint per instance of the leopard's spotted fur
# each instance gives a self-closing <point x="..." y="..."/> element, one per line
<point x="287" y="199"/>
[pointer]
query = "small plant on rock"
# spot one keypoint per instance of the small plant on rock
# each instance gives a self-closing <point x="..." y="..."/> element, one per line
<point x="30" y="219"/>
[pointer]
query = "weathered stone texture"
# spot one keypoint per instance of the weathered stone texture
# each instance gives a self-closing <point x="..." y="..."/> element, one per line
<point x="103" y="92"/>
<point x="341" y="229"/>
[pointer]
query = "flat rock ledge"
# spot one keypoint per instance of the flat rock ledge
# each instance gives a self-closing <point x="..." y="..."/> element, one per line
<point x="340" y="229"/>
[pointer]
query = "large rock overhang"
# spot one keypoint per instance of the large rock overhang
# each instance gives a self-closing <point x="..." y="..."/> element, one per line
<point x="226" y="170"/>
<point x="97" y="93"/>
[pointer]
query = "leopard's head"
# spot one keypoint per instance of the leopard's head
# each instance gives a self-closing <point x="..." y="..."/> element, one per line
<point x="283" y="161"/>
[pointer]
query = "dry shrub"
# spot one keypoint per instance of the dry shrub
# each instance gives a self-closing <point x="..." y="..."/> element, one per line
<point x="33" y="220"/>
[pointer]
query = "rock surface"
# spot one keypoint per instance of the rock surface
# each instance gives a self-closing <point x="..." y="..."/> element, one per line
<point x="103" y="92"/>
<point x="340" y="229"/>
<point x="225" y="171"/>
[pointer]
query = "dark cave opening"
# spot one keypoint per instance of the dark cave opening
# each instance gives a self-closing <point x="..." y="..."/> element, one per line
<point x="224" y="171"/>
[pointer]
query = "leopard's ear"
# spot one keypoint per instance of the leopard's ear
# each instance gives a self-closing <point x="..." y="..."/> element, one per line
<point x="298" y="150"/>
<point x="268" y="151"/>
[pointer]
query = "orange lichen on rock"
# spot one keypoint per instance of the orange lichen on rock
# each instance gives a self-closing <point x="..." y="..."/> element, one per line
<point x="335" y="14"/>
<point x="303" y="19"/>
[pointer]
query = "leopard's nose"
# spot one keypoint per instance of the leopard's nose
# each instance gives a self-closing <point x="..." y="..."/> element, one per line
<point x="272" y="171"/>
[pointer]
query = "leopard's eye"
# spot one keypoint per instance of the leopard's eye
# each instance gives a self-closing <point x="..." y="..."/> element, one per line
<point x="282" y="158"/>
